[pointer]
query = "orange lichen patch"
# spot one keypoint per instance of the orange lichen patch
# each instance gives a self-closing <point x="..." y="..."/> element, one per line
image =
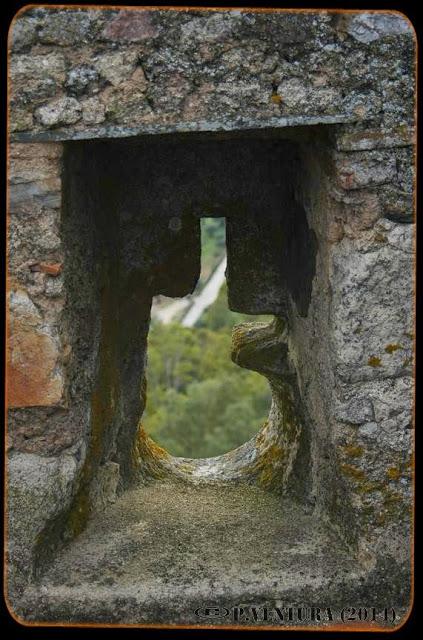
<point x="276" y="98"/>
<point x="51" y="269"/>
<point x="409" y="464"/>
<point x="148" y="456"/>
<point x="374" y="361"/>
<point x="393" y="473"/>
<point x="390" y="348"/>
<point x="153" y="448"/>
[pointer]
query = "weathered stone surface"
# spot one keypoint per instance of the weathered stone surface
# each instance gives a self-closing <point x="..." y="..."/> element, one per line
<point x="34" y="78"/>
<point x="397" y="205"/>
<point x="358" y="411"/>
<point x="93" y="111"/>
<point x="68" y="27"/>
<point x="34" y="375"/>
<point x="38" y="489"/>
<point x="103" y="492"/>
<point x="22" y="120"/>
<point x="81" y="79"/>
<point x="22" y="32"/>
<point x="219" y="64"/>
<point x="130" y="26"/>
<point x="375" y="139"/>
<point x="366" y="348"/>
<point x="138" y="563"/>
<point x="61" y="111"/>
<point x="34" y="162"/>
<point x="295" y="92"/>
<point x="367" y="27"/>
<point x="116" y="66"/>
<point x="361" y="170"/>
<point x="128" y="98"/>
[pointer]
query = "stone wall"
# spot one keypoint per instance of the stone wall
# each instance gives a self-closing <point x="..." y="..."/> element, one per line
<point x="101" y="73"/>
<point x="340" y="86"/>
<point x="353" y="352"/>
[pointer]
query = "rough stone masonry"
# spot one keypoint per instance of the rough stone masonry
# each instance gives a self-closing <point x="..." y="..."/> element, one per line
<point x="85" y="86"/>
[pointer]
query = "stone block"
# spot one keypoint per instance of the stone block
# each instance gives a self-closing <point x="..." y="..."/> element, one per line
<point x="60" y="111"/>
<point x="357" y="411"/>
<point x="93" y="111"/>
<point x="67" y="27"/>
<point x="35" y="377"/>
<point x="375" y="139"/>
<point x="30" y="163"/>
<point x="371" y="274"/>
<point x="368" y="27"/>
<point x="359" y="170"/>
<point x="38" y="488"/>
<point x="130" y="26"/>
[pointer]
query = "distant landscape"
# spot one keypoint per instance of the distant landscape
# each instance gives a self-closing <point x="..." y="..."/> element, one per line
<point x="199" y="403"/>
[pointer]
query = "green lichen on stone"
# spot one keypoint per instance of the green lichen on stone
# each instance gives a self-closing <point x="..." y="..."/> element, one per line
<point x="374" y="361"/>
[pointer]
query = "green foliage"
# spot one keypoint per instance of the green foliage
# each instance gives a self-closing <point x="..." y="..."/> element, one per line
<point x="199" y="403"/>
<point x="219" y="316"/>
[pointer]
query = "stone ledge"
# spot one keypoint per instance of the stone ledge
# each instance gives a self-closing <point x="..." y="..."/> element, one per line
<point x="181" y="127"/>
<point x="163" y="550"/>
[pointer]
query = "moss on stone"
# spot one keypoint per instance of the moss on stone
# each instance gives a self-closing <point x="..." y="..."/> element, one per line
<point x="104" y="400"/>
<point x="148" y="456"/>
<point x="368" y="487"/>
<point x="380" y="237"/>
<point x="353" y="451"/>
<point x="269" y="468"/>
<point x="393" y="473"/>
<point x="352" y="472"/>
<point x="391" y="348"/>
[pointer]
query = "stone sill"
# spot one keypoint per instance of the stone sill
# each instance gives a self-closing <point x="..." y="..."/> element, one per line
<point x="111" y="131"/>
<point x="163" y="550"/>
